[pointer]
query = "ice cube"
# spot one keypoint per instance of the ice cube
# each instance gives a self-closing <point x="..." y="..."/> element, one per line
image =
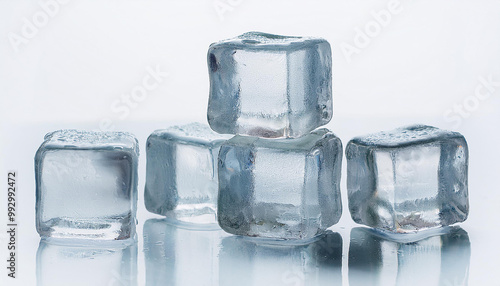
<point x="249" y="262"/>
<point x="86" y="264"/>
<point x="408" y="179"/>
<point x="280" y="188"/>
<point x="269" y="85"/>
<point x="86" y="185"/>
<point x="436" y="260"/>
<point x="179" y="256"/>
<point x="181" y="173"/>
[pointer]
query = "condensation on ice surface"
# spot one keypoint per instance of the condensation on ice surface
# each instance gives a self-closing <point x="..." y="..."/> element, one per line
<point x="408" y="179"/>
<point x="269" y="85"/>
<point x="280" y="188"/>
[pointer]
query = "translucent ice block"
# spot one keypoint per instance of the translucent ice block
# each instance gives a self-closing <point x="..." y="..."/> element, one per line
<point x="181" y="173"/>
<point x="408" y="179"/>
<point x="280" y="188"/>
<point x="269" y="85"/>
<point x="86" y="185"/>
<point x="436" y="260"/>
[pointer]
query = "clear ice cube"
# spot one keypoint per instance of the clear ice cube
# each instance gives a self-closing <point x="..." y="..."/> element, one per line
<point x="86" y="185"/>
<point x="408" y="179"/>
<point x="438" y="260"/>
<point x="280" y="188"/>
<point x="181" y="173"/>
<point x="269" y="85"/>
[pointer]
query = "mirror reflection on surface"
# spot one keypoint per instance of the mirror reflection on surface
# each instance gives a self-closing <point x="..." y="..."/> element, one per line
<point x="86" y="264"/>
<point x="437" y="260"/>
<point x="178" y="256"/>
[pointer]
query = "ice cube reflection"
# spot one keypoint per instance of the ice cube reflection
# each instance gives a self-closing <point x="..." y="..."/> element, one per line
<point x="438" y="260"/>
<point x="179" y="256"/>
<point x="69" y="263"/>
<point x="250" y="261"/>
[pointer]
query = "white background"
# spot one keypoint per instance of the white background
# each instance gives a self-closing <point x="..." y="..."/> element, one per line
<point x="83" y="66"/>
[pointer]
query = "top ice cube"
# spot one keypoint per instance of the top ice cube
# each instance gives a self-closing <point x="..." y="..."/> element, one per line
<point x="269" y="86"/>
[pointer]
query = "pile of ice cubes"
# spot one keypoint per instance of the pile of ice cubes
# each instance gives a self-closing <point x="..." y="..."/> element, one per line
<point x="263" y="168"/>
<point x="277" y="177"/>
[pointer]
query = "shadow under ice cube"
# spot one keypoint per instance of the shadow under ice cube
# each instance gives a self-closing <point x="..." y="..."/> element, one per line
<point x="181" y="173"/>
<point x="280" y="188"/>
<point x="269" y="86"/>
<point x="408" y="179"/>
<point x="86" y="185"/>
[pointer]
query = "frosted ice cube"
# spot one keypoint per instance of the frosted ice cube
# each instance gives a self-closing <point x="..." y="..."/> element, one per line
<point x="436" y="260"/>
<point x="280" y="188"/>
<point x="269" y="85"/>
<point x="86" y="185"/>
<point x="181" y="173"/>
<point x="408" y="179"/>
<point x="86" y="264"/>
<point x="247" y="262"/>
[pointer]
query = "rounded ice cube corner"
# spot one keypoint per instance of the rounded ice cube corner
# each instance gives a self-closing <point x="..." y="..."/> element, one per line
<point x="86" y="185"/>
<point x="408" y="180"/>
<point x="287" y="189"/>
<point x="269" y="86"/>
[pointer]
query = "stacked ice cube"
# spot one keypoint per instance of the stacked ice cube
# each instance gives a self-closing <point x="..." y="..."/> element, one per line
<point x="284" y="183"/>
<point x="269" y="86"/>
